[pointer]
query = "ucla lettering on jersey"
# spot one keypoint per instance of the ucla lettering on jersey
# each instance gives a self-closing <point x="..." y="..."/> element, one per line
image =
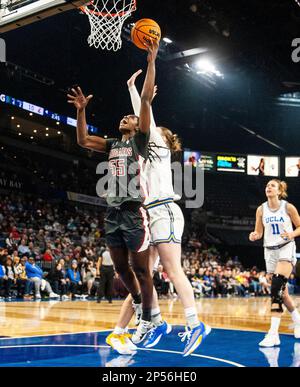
<point x="276" y="223"/>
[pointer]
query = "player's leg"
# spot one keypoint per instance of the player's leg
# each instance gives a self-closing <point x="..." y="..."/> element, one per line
<point x="140" y="265"/>
<point x="119" y="256"/>
<point x="280" y="277"/>
<point x="290" y="305"/>
<point x="170" y="256"/>
<point x="160" y="327"/>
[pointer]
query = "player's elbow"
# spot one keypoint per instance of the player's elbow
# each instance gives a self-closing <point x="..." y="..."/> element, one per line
<point x="83" y="142"/>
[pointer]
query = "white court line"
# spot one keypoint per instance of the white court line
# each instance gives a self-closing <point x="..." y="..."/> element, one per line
<point x="106" y="346"/>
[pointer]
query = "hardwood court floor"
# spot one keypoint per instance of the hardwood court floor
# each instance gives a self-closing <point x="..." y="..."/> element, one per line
<point x="21" y="319"/>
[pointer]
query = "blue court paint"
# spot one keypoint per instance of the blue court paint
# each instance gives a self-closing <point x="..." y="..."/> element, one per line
<point x="222" y="348"/>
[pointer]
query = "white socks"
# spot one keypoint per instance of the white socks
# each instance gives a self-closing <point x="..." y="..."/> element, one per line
<point x="118" y="331"/>
<point x="295" y="316"/>
<point x="275" y="322"/>
<point x="191" y="317"/>
<point x="156" y="318"/>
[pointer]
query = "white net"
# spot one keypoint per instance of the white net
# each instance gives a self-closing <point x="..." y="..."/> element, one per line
<point x="106" y="19"/>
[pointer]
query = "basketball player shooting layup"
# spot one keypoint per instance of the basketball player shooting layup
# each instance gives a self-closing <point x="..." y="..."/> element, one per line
<point x="126" y="224"/>
<point x="274" y="220"/>
<point x="166" y="227"/>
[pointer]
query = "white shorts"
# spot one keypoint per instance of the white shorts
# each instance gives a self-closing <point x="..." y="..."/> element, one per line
<point x="166" y="223"/>
<point x="285" y="253"/>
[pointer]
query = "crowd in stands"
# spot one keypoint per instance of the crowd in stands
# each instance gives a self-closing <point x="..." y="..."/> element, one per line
<point x="212" y="276"/>
<point x="54" y="250"/>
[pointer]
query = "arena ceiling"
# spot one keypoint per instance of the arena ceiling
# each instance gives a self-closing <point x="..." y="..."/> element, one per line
<point x="249" y="42"/>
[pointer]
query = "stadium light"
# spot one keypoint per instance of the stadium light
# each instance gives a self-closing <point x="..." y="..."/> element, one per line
<point x="167" y="40"/>
<point x="205" y="66"/>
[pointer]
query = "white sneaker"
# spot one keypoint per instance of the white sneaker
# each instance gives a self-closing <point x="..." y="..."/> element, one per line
<point x="38" y="296"/>
<point x="141" y="332"/>
<point x="119" y="344"/>
<point x="138" y="310"/>
<point x="65" y="297"/>
<point x="270" y="340"/>
<point x="297" y="330"/>
<point x="127" y="338"/>
<point x="54" y="295"/>
<point x="84" y="296"/>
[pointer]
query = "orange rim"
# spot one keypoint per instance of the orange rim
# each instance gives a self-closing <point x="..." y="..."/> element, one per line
<point x="87" y="10"/>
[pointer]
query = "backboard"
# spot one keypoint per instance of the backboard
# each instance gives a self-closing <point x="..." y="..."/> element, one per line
<point x="17" y="13"/>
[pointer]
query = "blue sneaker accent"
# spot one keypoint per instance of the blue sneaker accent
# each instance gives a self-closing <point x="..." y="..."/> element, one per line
<point x="156" y="334"/>
<point x="194" y="337"/>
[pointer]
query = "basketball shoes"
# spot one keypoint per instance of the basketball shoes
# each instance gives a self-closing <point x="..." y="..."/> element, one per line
<point x="121" y="343"/>
<point x="194" y="337"/>
<point x="156" y="333"/>
<point x="141" y="332"/>
<point x="270" y="340"/>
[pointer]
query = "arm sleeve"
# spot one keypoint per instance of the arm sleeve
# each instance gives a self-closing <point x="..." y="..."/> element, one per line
<point x="136" y="104"/>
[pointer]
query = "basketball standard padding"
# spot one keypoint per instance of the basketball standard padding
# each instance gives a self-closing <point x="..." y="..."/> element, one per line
<point x="143" y="31"/>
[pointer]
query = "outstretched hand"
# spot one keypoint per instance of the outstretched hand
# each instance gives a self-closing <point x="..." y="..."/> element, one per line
<point x="152" y="48"/>
<point x="131" y="80"/>
<point x="78" y="99"/>
<point x="154" y="92"/>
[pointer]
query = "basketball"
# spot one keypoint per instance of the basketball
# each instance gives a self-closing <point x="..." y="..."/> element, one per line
<point x="143" y="31"/>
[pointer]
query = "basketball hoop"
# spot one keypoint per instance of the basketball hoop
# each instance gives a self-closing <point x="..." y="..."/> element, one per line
<point x="106" y="20"/>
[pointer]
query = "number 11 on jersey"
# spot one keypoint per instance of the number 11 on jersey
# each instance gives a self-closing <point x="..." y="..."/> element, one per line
<point x="275" y="228"/>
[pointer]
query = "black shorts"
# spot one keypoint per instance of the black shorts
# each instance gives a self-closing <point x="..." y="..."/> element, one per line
<point x="127" y="226"/>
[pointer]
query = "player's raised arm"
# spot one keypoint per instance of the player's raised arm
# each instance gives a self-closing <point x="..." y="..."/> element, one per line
<point x="136" y="99"/>
<point x="259" y="227"/>
<point x="95" y="143"/>
<point x="148" y="88"/>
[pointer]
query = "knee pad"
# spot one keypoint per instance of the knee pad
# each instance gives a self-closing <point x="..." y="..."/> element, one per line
<point x="278" y="286"/>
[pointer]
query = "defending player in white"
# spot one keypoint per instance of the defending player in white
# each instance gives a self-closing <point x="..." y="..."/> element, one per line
<point x="274" y="220"/>
<point x="166" y="228"/>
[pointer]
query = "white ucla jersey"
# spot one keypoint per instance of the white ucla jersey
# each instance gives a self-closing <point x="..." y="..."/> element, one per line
<point x="276" y="223"/>
<point x="158" y="169"/>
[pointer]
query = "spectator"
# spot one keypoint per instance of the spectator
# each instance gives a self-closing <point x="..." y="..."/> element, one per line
<point x="3" y="278"/>
<point x="60" y="283"/>
<point x="23" y="249"/>
<point x="35" y="275"/>
<point x="265" y="283"/>
<point x="74" y="277"/>
<point x="88" y="275"/>
<point x="48" y="257"/>
<point x="292" y="283"/>
<point x="254" y="283"/>
<point x="159" y="281"/>
<point x="23" y="285"/>
<point x="10" y="278"/>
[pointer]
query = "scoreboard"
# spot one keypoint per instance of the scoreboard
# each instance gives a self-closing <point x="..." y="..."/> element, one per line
<point x="231" y="163"/>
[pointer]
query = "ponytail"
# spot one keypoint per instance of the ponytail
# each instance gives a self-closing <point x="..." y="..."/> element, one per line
<point x="173" y="142"/>
<point x="282" y="188"/>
